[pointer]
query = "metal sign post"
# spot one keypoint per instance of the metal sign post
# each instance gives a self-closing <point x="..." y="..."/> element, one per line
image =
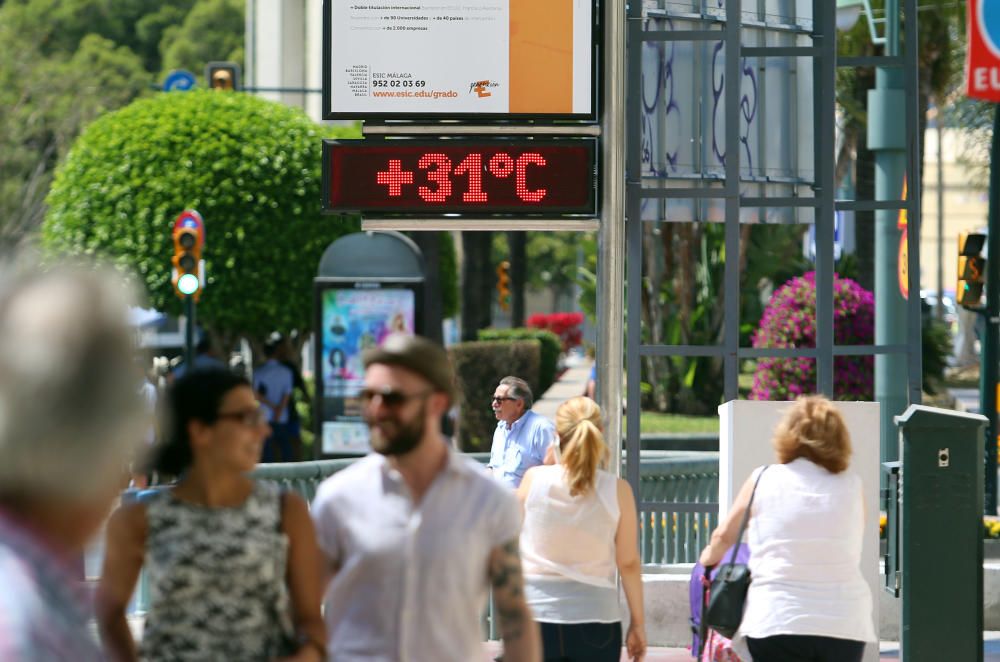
<point x="506" y="140"/>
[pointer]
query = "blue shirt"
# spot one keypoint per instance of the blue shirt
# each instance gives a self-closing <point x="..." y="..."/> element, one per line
<point x="274" y="381"/>
<point x="520" y="447"/>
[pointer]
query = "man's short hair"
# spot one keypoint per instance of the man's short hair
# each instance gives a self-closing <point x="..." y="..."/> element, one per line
<point x="518" y="388"/>
<point x="419" y="355"/>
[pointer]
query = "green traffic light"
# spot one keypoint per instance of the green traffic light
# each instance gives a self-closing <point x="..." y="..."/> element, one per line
<point x="188" y="284"/>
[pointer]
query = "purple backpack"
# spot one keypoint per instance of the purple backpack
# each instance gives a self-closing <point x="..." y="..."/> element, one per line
<point x="697" y="591"/>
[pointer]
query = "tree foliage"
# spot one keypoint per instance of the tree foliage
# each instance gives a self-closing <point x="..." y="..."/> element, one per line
<point x="44" y="102"/>
<point x="65" y="62"/>
<point x="212" y="30"/>
<point x="250" y="166"/>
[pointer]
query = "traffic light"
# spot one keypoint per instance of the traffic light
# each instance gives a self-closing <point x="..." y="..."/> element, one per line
<point x="971" y="269"/>
<point x="186" y="260"/>
<point x="503" y="285"/>
<point x="223" y="75"/>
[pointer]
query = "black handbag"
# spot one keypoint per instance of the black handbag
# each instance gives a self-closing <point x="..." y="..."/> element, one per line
<point x="728" y="592"/>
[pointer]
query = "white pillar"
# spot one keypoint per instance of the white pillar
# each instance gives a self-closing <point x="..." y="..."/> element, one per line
<point x="279" y="48"/>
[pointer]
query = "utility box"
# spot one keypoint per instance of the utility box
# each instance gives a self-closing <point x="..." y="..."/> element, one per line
<point x="940" y="535"/>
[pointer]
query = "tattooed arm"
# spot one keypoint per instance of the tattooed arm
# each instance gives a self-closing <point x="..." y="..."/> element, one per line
<point x="521" y="638"/>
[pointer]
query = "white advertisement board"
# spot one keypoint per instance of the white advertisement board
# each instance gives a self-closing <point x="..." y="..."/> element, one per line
<point x="475" y="58"/>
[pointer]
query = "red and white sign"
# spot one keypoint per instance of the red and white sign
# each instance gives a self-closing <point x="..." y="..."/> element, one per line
<point x="982" y="62"/>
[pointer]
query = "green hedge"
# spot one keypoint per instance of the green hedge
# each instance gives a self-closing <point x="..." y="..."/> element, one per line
<point x="551" y="347"/>
<point x="479" y="367"/>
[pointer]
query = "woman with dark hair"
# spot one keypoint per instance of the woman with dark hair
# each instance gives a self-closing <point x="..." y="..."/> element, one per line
<point x="233" y="563"/>
<point x="808" y="599"/>
<point x="580" y="525"/>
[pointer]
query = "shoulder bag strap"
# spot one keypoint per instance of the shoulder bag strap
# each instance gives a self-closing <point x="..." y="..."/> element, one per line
<point x="746" y="517"/>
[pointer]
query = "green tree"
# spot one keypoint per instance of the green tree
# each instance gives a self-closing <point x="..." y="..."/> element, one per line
<point x="65" y="62"/>
<point x="250" y="166"/>
<point x="212" y="30"/>
<point x="45" y="100"/>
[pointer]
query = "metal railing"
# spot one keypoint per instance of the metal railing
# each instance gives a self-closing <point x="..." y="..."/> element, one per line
<point x="678" y="505"/>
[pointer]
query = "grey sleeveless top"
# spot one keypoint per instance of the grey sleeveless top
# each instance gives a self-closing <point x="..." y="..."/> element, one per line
<point x="216" y="579"/>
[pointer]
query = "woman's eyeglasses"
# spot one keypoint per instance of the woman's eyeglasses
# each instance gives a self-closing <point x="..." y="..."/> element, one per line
<point x="390" y="398"/>
<point x="248" y="417"/>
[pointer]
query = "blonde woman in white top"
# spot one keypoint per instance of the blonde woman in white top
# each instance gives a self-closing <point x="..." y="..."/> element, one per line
<point x="808" y="599"/>
<point x="580" y="526"/>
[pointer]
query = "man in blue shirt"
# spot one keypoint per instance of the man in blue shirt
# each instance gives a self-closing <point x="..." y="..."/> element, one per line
<point x="521" y="437"/>
<point x="273" y="383"/>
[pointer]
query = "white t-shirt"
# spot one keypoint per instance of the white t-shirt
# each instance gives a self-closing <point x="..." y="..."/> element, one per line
<point x="568" y="548"/>
<point x="413" y="578"/>
<point x="805" y="536"/>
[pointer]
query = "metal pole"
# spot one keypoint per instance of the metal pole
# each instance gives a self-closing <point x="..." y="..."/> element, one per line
<point x="940" y="210"/>
<point x="824" y="78"/>
<point x="633" y="240"/>
<point x="731" y="276"/>
<point x="188" y="333"/>
<point x="611" y="236"/>
<point x="989" y="369"/>
<point x="887" y="138"/>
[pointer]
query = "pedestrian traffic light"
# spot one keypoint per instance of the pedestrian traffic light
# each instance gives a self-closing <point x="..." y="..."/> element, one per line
<point x="971" y="269"/>
<point x="223" y="75"/>
<point x="186" y="261"/>
<point x="503" y="285"/>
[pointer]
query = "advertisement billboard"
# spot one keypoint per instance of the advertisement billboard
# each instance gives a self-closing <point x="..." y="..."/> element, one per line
<point x="476" y="59"/>
<point x="352" y="320"/>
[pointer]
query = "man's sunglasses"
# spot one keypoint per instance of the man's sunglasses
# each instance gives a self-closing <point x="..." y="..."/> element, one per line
<point x="498" y="399"/>
<point x="390" y="398"/>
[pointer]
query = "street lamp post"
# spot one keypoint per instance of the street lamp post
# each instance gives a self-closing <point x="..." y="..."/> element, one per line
<point x="887" y="138"/>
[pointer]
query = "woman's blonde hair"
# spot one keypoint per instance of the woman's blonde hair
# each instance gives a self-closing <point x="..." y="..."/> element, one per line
<point x="814" y="429"/>
<point x="581" y="442"/>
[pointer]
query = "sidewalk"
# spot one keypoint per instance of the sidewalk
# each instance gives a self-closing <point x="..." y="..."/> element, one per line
<point x="889" y="651"/>
<point x="570" y="384"/>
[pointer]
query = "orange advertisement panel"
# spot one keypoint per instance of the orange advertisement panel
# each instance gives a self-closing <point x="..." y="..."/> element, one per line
<point x="541" y="56"/>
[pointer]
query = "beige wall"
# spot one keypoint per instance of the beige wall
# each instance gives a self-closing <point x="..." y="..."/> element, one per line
<point x="965" y="207"/>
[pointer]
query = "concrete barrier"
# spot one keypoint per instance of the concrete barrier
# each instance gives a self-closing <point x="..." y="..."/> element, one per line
<point x="665" y="591"/>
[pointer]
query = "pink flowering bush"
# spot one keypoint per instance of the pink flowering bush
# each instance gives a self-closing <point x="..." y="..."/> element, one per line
<point x="790" y="321"/>
<point x="568" y="326"/>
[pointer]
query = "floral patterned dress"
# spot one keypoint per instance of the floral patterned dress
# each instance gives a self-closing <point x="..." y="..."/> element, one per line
<point x="217" y="579"/>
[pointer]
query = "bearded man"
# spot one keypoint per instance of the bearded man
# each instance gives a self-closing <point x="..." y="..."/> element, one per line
<point x="415" y="533"/>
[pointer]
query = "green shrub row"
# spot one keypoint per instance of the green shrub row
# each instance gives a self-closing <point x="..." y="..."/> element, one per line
<point x="479" y="367"/>
<point x="551" y="347"/>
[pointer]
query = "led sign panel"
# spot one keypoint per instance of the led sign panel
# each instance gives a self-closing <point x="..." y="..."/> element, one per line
<point x="481" y="176"/>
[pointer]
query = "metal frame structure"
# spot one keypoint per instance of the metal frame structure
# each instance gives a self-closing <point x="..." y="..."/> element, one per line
<point x="823" y="53"/>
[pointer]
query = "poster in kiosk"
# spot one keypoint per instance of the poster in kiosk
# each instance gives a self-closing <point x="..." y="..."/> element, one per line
<point x="370" y="285"/>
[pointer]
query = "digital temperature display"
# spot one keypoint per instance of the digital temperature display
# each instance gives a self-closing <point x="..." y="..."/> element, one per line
<point x="485" y="176"/>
